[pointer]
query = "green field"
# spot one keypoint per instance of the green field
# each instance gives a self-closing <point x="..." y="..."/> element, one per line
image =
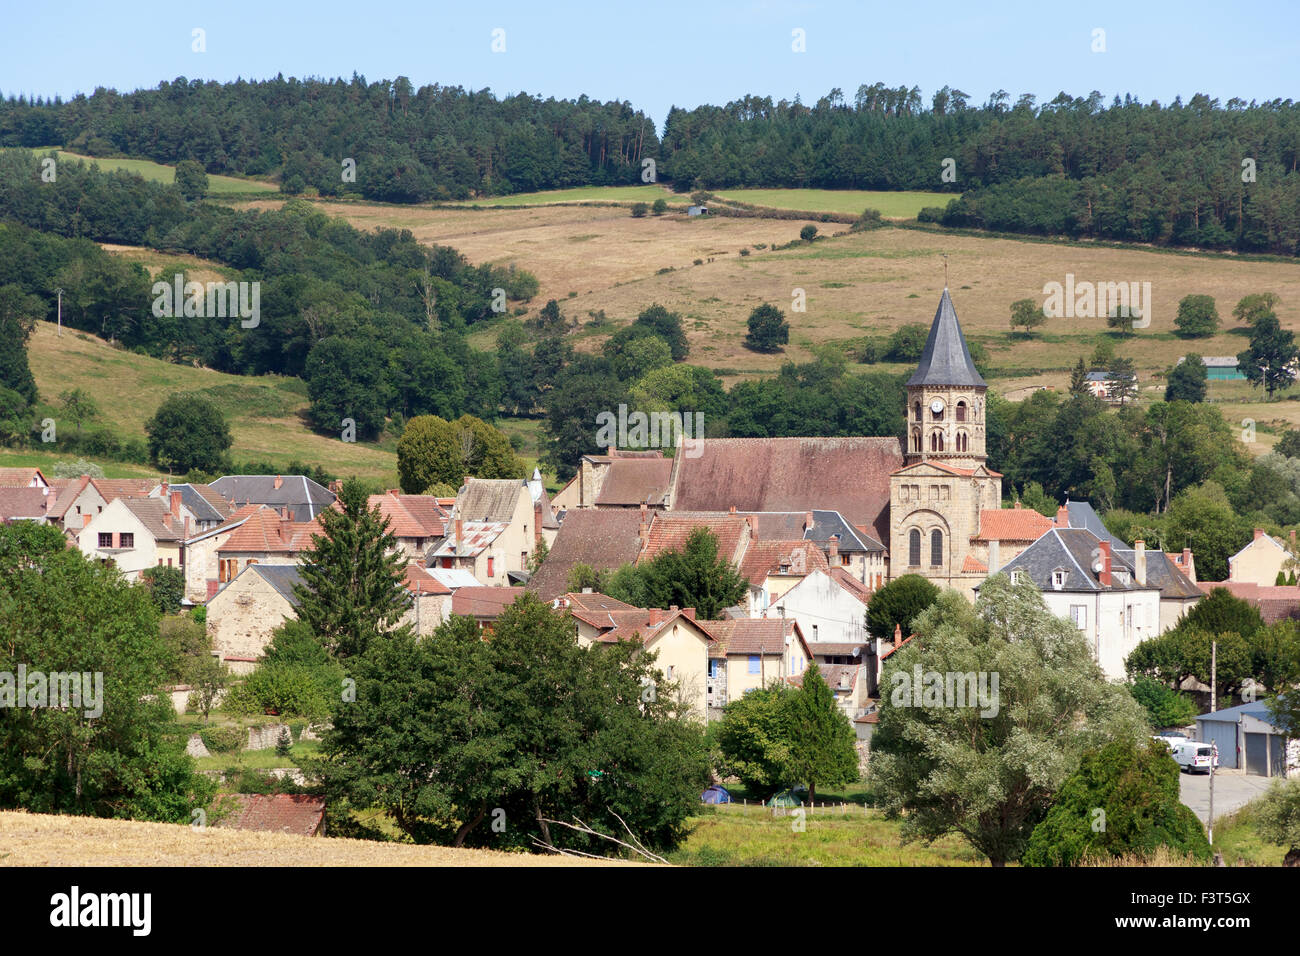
<point x="891" y="205"/>
<point x="217" y="185"/>
<point x="622" y="194"/>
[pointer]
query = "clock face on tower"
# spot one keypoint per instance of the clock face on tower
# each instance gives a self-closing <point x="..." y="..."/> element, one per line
<point x="936" y="406"/>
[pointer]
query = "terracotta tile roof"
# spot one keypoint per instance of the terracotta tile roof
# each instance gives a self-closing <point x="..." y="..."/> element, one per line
<point x="68" y="491"/>
<point x="592" y="601"/>
<point x="411" y="516"/>
<point x="297" y="813"/>
<point x="898" y="646"/>
<point x="484" y="603"/>
<point x="670" y="529"/>
<point x="973" y="565"/>
<point x="836" y="649"/>
<point x="852" y="585"/>
<point x="1013" y="524"/>
<point x="21" y="477"/>
<point x="264" y="531"/>
<point x="478" y="536"/>
<point x="113" y="488"/>
<point x="155" y="514"/>
<point x="417" y="578"/>
<point x="23" y="503"/>
<point x="763" y="558"/>
<point x="1275" y="602"/>
<point x="634" y="481"/>
<point x="635" y="623"/>
<point x="838" y="677"/>
<point x="751" y="636"/>
<point x="603" y="539"/>
<point x="848" y="475"/>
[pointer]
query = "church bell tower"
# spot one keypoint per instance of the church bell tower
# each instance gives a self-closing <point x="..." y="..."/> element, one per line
<point x="946" y="398"/>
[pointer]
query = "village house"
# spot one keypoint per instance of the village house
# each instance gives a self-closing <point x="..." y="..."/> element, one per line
<point x="619" y="479"/>
<point x="264" y="536"/>
<point x="243" y="615"/>
<point x="202" y="504"/>
<point x="483" y="604"/>
<point x="846" y="681"/>
<point x="136" y="533"/>
<point x="748" y="654"/>
<point x="774" y="567"/>
<point x="496" y="525"/>
<point x="603" y="539"/>
<point x="1260" y="561"/>
<point x="296" y="496"/>
<point x="829" y="605"/>
<point x="416" y="521"/>
<point x="23" y="477"/>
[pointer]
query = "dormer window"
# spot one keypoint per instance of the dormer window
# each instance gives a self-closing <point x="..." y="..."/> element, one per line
<point x="1058" y="578"/>
<point x="1017" y="576"/>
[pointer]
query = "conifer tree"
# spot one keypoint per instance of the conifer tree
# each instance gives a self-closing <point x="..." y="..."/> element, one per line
<point x="352" y="577"/>
<point x="822" y="747"/>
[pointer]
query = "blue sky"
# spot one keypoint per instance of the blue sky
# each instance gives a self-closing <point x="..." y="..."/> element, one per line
<point x="657" y="54"/>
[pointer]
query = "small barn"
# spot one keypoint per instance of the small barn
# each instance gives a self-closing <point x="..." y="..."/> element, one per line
<point x="697" y="210"/>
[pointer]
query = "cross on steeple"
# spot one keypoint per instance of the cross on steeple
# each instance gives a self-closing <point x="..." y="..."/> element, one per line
<point x="945" y="270"/>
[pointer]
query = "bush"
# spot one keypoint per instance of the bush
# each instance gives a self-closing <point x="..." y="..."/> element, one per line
<point x="223" y="740"/>
<point x="290" y="690"/>
<point x="808" y="233"/>
<point x="930" y="214"/>
<point x="870" y="219"/>
<point x="639" y="209"/>
<point x="1165" y="707"/>
<point x="659" y="207"/>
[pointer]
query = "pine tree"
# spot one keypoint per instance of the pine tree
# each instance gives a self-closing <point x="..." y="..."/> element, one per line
<point x="1079" y="378"/>
<point x="352" y="577"/>
<point x="821" y="738"/>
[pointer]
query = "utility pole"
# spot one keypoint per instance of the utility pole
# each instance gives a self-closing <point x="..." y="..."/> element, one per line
<point x="1214" y="705"/>
<point x="60" y="292"/>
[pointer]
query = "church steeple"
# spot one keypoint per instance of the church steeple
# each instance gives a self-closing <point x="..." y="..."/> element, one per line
<point x="946" y="359"/>
<point x="945" y="397"/>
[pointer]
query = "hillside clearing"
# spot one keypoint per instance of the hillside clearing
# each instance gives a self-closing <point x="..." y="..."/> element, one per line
<point x="891" y="205"/>
<point x="156" y="172"/>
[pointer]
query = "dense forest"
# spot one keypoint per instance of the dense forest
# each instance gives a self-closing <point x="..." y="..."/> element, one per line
<point x="1200" y="173"/>
<point x="409" y="145"/>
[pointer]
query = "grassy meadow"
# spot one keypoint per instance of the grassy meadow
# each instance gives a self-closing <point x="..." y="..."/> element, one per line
<point x="890" y="204"/>
<point x="156" y="172"/>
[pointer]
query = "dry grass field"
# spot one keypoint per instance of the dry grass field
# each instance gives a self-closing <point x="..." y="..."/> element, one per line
<point x="28" y="839"/>
<point x="199" y="270"/>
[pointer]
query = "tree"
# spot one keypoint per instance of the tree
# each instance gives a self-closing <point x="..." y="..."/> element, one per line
<point x="166" y="587"/>
<point x="1188" y="381"/>
<point x="584" y="576"/>
<point x="1250" y="308"/>
<point x="1277" y="818"/>
<point x="808" y="233"/>
<point x="639" y="209"/>
<point x="435" y="451"/>
<point x="898" y="604"/>
<point x="694" y="577"/>
<point x="1271" y="359"/>
<point x="191" y="179"/>
<point x="18" y="314"/>
<point x="822" y="741"/>
<point x="346" y="380"/>
<point x="188" y="433"/>
<point x="907" y="342"/>
<point x="768" y="329"/>
<point x="113" y="753"/>
<point x="1028" y="314"/>
<point x="352" y="587"/>
<point x="659" y="207"/>
<point x="1289" y="444"/>
<point x="1197" y="316"/>
<point x="79" y="407"/>
<point x="1122" y="800"/>
<point x="1121" y="380"/>
<point x="209" y="677"/>
<point x="1079" y="378"/>
<point x="1164" y="705"/>
<point x="990" y="771"/>
<point x="530" y="723"/>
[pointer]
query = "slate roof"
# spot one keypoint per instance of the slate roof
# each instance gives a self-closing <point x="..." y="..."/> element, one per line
<point x="634" y="481"/>
<point x="203" y="502"/>
<point x="604" y="539"/>
<point x="1083" y="515"/>
<point x="489" y="499"/>
<point x="304" y="498"/>
<point x="1163" y="573"/>
<point x="297" y="813"/>
<point x="848" y="475"/>
<point x="1071" y="550"/>
<point x="281" y="577"/>
<point x="946" y="359"/>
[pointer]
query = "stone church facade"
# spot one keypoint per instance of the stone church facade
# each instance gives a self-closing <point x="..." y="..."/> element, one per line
<point x="945" y="483"/>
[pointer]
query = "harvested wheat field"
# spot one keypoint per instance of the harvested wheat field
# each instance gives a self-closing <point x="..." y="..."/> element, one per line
<point x="28" y="839"/>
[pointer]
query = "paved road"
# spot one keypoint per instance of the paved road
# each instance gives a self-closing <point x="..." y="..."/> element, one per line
<point x="1231" y="790"/>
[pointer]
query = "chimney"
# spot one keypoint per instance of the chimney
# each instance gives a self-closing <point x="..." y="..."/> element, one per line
<point x="1259" y="533"/>
<point x="807" y="521"/>
<point x="85" y="520"/>
<point x="176" y="504"/>
<point x="279" y="480"/>
<point x="1293" y="540"/>
<point x="995" y="555"/>
<point x="644" y="528"/>
<point x="1063" y="517"/>
<point x="1140" y="562"/>
<point x="164" y="489"/>
<point x="672" y="608"/>
<point x="1104" y="576"/>
<point x="1018" y="505"/>
<point x="898" y="634"/>
<point x="167" y="520"/>
<point x="613" y="450"/>
<point x="835" y="549"/>
<point x="656" y="615"/>
<point x="537" y="522"/>
<point x="732" y="511"/>
<point x="1189" y="569"/>
<point x="187" y="527"/>
<point x="689" y="612"/>
<point x="752" y="520"/>
<point x="460" y="535"/>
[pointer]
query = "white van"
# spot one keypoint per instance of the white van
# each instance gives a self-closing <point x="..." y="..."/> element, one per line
<point x="1193" y="755"/>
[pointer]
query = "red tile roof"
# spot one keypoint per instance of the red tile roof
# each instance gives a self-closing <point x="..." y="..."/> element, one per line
<point x="21" y="477"/>
<point x="763" y="558"/>
<point x="752" y="636"/>
<point x="484" y="603"/>
<point x="411" y="516"/>
<point x="973" y="565"/>
<point x="1013" y="524"/>
<point x="264" y="531"/>
<point x="112" y="488"/>
<point x="592" y="601"/>
<point x="669" y="531"/>
<point x="848" y="475"/>
<point x="851" y="584"/>
<point x="603" y="539"/>
<point x="25" y="503"/>
<point x="297" y="813"/>
<point x="418" y="579"/>
<point x="1275" y="602"/>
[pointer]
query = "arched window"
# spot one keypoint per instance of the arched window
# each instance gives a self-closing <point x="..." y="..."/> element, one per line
<point x="936" y="441"/>
<point x="918" y="411"/>
<point x="914" y="548"/>
<point x="961" y="411"/>
<point x="936" y="547"/>
<point x="937" y="416"/>
<point x="961" y="441"/>
<point x="916" y="439"/>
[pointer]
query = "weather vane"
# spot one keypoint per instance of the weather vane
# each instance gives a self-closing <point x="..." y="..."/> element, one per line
<point x="945" y="270"/>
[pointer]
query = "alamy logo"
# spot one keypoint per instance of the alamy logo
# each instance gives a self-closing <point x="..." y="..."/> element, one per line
<point x="73" y="909"/>
<point x="215" y="300"/>
<point x="57" y="689"/>
<point x="1090" y="300"/>
<point x="656" y="430"/>
<point x="953" y="689"/>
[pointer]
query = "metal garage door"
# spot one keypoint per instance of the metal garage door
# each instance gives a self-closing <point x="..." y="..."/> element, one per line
<point x="1257" y="754"/>
<point x="1224" y="735"/>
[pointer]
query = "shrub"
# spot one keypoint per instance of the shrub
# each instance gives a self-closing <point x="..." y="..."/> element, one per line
<point x="639" y="209"/>
<point x="808" y="233"/>
<point x="223" y="740"/>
